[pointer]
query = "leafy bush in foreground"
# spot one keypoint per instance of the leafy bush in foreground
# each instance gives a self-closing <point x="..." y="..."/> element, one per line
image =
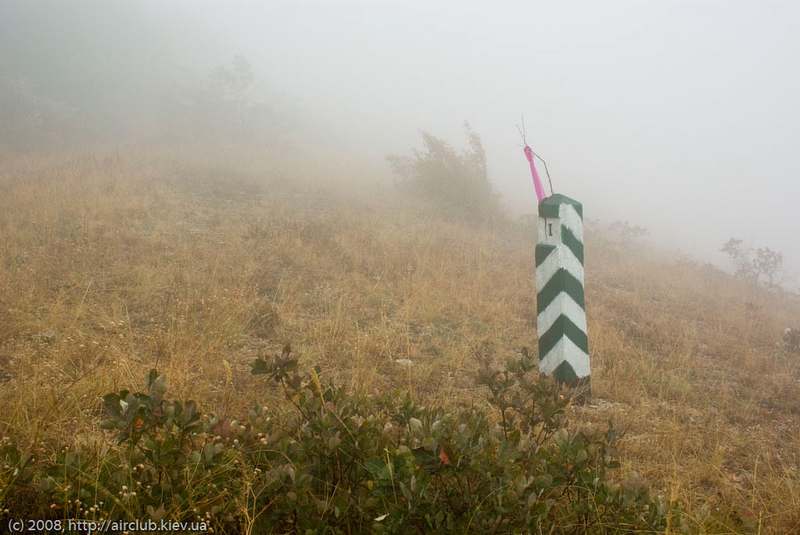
<point x="344" y="463"/>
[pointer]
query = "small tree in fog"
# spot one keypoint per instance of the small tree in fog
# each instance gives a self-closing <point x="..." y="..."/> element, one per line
<point x="219" y="107"/>
<point x="762" y="265"/>
<point x="455" y="183"/>
<point x="233" y="83"/>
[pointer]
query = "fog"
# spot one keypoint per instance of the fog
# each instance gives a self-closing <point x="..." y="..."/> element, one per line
<point x="680" y="116"/>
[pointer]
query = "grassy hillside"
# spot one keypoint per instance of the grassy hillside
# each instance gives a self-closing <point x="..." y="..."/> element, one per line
<point x="112" y="265"/>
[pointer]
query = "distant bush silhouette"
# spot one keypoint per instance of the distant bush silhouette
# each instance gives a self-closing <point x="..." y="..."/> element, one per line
<point x="759" y="266"/>
<point x="223" y="106"/>
<point x="454" y="183"/>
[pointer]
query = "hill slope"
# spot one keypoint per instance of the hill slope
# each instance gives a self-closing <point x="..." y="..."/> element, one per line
<point x="111" y="265"/>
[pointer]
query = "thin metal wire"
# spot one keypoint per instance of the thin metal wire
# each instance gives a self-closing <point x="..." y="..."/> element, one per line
<point x="523" y="134"/>
<point x="547" y="171"/>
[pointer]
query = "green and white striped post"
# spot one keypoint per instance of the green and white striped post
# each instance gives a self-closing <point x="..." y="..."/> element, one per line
<point x="561" y="313"/>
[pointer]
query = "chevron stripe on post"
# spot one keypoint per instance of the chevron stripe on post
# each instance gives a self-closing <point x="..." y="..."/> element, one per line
<point x="561" y="320"/>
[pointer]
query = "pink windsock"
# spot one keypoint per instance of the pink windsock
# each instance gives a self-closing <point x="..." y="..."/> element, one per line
<point x="537" y="182"/>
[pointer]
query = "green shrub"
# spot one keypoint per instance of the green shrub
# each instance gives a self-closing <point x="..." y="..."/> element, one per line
<point x="170" y="463"/>
<point x="337" y="462"/>
<point x="453" y="183"/>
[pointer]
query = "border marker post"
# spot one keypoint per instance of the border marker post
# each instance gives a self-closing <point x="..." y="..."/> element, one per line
<point x="561" y="312"/>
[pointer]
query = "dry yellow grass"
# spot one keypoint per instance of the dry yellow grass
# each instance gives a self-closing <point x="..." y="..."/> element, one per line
<point x="110" y="265"/>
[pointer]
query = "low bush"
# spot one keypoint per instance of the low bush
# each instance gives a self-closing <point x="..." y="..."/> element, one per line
<point x="455" y="184"/>
<point x="336" y="462"/>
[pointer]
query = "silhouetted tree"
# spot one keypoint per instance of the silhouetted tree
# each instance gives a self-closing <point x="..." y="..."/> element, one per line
<point x="762" y="265"/>
<point x="455" y="183"/>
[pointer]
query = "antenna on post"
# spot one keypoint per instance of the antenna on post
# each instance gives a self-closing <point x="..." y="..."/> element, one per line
<point x="529" y="154"/>
<point x="522" y="131"/>
<point x="547" y="172"/>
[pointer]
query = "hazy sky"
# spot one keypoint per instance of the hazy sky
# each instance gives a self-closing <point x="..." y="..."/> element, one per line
<point x="682" y="116"/>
